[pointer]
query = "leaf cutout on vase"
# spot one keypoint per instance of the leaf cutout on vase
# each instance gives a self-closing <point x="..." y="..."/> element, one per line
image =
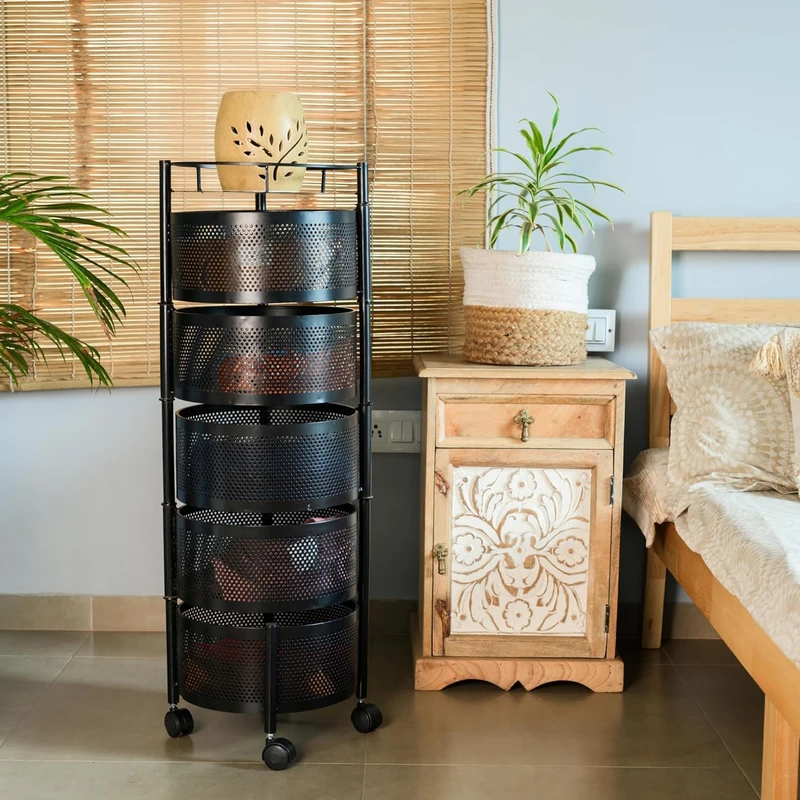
<point x="262" y="176"/>
<point x="249" y="128"/>
<point x="234" y="130"/>
<point x="267" y="151"/>
<point x="298" y="125"/>
<point x="236" y="141"/>
<point x="301" y="152"/>
<point x="288" y="174"/>
<point x="280" y="146"/>
<point x="289" y="135"/>
<point x="248" y="152"/>
<point x="254" y="143"/>
<point x="271" y="139"/>
<point x="260" y="130"/>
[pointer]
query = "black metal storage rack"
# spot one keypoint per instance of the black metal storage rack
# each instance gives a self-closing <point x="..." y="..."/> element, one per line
<point x="266" y="563"/>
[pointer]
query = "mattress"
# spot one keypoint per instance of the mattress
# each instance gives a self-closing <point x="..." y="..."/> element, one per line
<point x="749" y="540"/>
<point x="751" y="543"/>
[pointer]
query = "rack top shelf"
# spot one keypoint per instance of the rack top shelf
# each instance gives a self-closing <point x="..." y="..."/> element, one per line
<point x="322" y="169"/>
<point x="309" y="167"/>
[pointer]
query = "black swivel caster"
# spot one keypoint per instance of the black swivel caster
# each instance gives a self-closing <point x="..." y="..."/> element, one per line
<point x="178" y="722"/>
<point x="278" y="754"/>
<point x="366" y="717"/>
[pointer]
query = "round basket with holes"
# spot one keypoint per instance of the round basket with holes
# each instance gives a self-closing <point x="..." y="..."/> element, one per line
<point x="262" y="459"/>
<point x="264" y="256"/>
<point x="221" y="658"/>
<point x="254" y="354"/>
<point x="284" y="561"/>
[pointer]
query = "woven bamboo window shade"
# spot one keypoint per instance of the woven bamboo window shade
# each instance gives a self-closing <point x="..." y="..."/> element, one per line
<point x="99" y="90"/>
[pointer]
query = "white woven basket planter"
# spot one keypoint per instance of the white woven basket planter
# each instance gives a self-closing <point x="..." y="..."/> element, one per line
<point x="525" y="309"/>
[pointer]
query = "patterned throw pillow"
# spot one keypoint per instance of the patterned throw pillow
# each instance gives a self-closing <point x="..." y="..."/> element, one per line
<point x="732" y="429"/>
<point x="779" y="357"/>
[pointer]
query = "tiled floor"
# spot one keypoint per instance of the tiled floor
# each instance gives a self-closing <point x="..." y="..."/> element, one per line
<point x="81" y="718"/>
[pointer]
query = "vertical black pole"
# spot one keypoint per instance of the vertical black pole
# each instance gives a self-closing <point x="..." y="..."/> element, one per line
<point x="271" y="680"/>
<point x="167" y="426"/>
<point x="261" y="201"/>
<point x="365" y="411"/>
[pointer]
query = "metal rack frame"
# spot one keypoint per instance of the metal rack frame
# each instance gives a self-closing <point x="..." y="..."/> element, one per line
<point x="366" y="716"/>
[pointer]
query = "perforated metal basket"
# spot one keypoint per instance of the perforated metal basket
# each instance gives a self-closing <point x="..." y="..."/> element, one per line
<point x="264" y="256"/>
<point x="291" y="458"/>
<point x="287" y="561"/>
<point x="221" y="658"/>
<point x="253" y="354"/>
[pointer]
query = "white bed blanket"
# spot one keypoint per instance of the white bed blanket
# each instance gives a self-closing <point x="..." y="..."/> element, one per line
<point x="751" y="543"/>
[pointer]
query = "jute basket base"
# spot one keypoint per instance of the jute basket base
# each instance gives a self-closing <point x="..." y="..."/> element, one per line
<point x="522" y="337"/>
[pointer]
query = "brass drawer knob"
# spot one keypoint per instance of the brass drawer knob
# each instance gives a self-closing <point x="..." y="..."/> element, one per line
<point x="524" y="419"/>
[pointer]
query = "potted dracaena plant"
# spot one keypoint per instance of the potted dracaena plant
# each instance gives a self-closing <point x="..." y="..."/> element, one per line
<point x="530" y="306"/>
<point x="59" y="217"/>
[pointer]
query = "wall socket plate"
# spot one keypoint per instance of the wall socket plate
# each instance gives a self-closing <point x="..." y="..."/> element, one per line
<point x="395" y="431"/>
<point x="601" y="331"/>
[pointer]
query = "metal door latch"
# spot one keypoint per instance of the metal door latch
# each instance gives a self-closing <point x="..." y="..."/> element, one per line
<point x="440" y="553"/>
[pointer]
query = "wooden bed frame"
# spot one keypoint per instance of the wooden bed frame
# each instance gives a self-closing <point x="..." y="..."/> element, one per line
<point x="777" y="675"/>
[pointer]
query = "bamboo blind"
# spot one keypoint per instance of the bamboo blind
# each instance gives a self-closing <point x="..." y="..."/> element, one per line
<point x="99" y="90"/>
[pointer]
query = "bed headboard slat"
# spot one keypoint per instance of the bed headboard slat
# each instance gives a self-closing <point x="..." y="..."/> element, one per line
<point x="735" y="233"/>
<point x="735" y="312"/>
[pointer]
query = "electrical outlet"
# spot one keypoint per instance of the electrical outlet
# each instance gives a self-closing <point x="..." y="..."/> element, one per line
<point x="395" y="431"/>
<point x="601" y="330"/>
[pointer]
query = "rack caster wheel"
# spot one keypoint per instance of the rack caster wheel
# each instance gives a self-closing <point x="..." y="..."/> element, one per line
<point x="366" y="717"/>
<point x="278" y="754"/>
<point x="178" y="722"/>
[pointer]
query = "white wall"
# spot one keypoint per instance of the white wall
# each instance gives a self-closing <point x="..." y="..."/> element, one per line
<point x="80" y="490"/>
<point x="699" y="101"/>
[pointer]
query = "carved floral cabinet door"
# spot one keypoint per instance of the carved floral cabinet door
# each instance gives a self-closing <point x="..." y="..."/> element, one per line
<point x="523" y="545"/>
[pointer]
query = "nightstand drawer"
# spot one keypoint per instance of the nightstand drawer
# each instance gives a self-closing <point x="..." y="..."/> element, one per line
<point x="567" y="421"/>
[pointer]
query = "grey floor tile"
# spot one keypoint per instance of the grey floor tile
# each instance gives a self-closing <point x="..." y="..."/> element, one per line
<point x="700" y="652"/>
<point x="631" y="652"/>
<point x="100" y="781"/>
<point x="551" y="783"/>
<point x="23" y="681"/>
<point x="110" y="709"/>
<point x="735" y="706"/>
<point x="655" y="722"/>
<point x="124" y="645"/>
<point x="41" y="643"/>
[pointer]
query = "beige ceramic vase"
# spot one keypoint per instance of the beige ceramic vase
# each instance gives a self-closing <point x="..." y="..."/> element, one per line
<point x="261" y="126"/>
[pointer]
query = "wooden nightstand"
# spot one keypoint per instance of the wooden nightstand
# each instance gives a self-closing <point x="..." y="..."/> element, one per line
<point x="520" y="523"/>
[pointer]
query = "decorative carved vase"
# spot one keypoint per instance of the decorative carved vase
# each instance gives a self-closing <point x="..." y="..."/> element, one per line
<point x="266" y="127"/>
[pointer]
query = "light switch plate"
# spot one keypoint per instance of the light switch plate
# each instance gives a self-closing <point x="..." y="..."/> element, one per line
<point x="602" y="330"/>
<point x="395" y="431"/>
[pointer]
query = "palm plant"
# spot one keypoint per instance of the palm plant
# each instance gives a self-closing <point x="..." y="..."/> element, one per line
<point x="48" y="209"/>
<point x="538" y="198"/>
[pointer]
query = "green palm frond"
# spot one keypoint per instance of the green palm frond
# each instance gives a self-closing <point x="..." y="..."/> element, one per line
<point x="63" y="219"/>
<point x="20" y="334"/>
<point x="537" y="199"/>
